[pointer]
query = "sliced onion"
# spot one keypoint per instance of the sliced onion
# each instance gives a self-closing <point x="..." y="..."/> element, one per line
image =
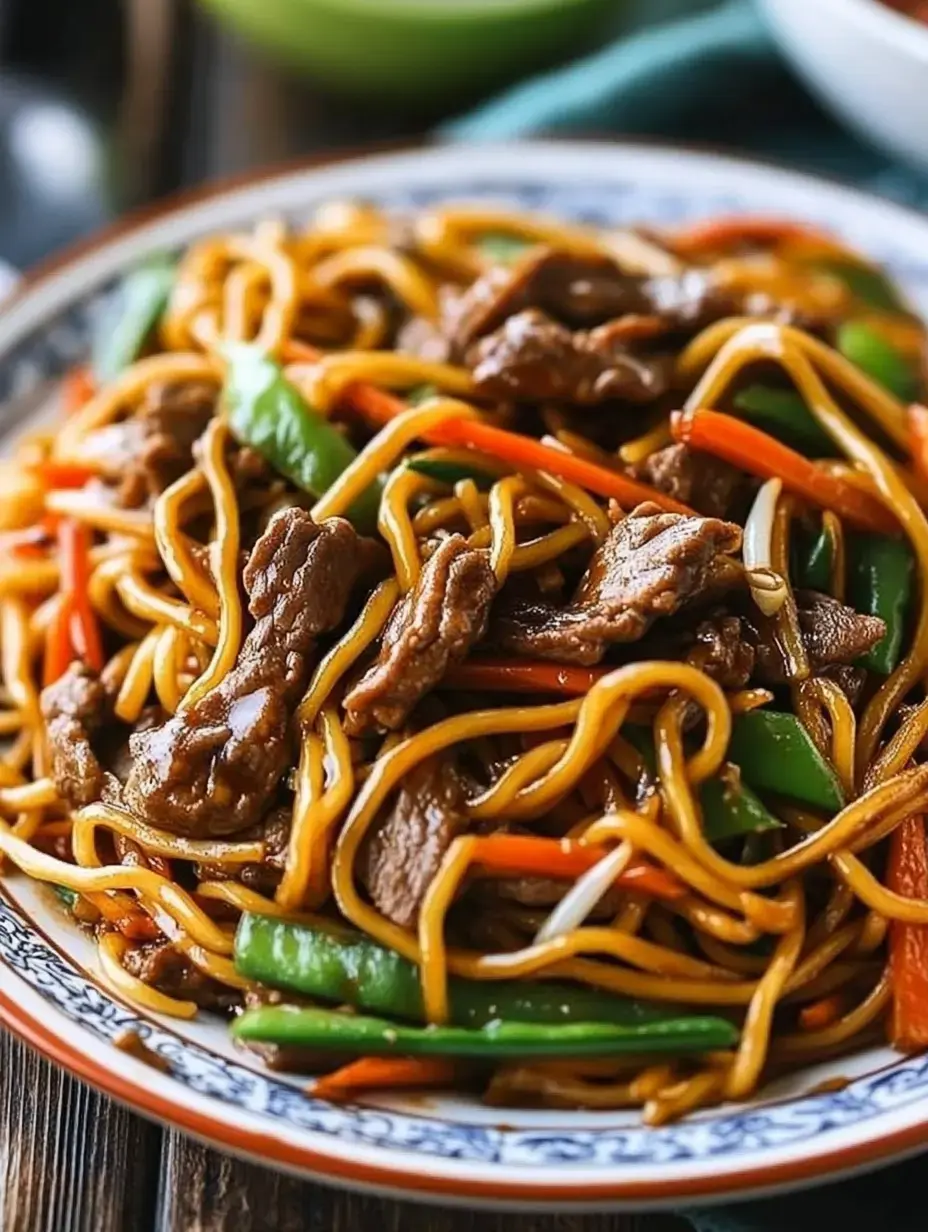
<point x="768" y="589"/>
<point x="586" y="892"/>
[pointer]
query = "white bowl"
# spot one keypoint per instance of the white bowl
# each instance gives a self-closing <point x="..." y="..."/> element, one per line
<point x="865" y="61"/>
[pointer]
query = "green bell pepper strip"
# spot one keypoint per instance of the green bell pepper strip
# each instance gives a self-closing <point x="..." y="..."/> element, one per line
<point x="503" y="249"/>
<point x="126" y="325"/>
<point x="729" y="808"/>
<point x="306" y="1027"/>
<point x="869" y="286"/>
<point x="449" y="472"/>
<point x="863" y="346"/>
<point x="268" y="413"/>
<point x="783" y="414"/>
<point x="813" y="562"/>
<point x="340" y="965"/>
<point x="777" y="754"/>
<point x="880" y="573"/>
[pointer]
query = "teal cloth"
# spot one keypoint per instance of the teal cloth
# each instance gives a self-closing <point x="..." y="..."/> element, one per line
<point x="716" y="77"/>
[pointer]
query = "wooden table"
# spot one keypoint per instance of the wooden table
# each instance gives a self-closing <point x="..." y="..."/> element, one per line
<point x="73" y="1161"/>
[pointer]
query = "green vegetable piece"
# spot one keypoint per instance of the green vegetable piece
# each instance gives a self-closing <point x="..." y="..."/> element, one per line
<point x="449" y="472"/>
<point x="67" y="897"/>
<point x="421" y="393"/>
<point x="870" y="286"/>
<point x="126" y="325"/>
<point x="328" y="1029"/>
<point x="783" y="414"/>
<point x="503" y="249"/>
<point x="813" y="564"/>
<point x="346" y="967"/>
<point x="270" y="414"/>
<point x="863" y="346"/>
<point x="776" y="754"/>
<point x="729" y="807"/>
<point x="880" y="577"/>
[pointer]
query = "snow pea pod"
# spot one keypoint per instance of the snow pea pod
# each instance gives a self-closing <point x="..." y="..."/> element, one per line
<point x="127" y="323"/>
<point x="863" y="346"/>
<point x="306" y="1027"/>
<point x="449" y="472"/>
<point x="268" y="413"/>
<point x="880" y="577"/>
<point x="729" y="808"/>
<point x="343" y="966"/>
<point x="775" y="753"/>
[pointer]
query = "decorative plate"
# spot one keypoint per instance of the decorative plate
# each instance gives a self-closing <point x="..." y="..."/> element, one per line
<point x="799" y="1131"/>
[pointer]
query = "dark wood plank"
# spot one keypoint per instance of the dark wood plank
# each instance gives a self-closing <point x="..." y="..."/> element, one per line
<point x="202" y="1191"/>
<point x="70" y="1159"/>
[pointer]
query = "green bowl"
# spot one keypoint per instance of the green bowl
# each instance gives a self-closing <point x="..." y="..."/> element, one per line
<point x="417" y="48"/>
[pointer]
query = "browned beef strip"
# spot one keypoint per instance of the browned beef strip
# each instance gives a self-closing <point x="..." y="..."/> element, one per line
<point x="705" y="483"/>
<point x="577" y="290"/>
<point x="212" y="768"/>
<point x="403" y="853"/>
<point x="832" y="632"/>
<point x="650" y="564"/>
<point x="172" y="418"/>
<point x="721" y="651"/>
<point x="850" y="680"/>
<point x="430" y="629"/>
<point x="74" y="709"/>
<point x="274" y="832"/>
<point x="535" y="359"/>
<point x="163" y="967"/>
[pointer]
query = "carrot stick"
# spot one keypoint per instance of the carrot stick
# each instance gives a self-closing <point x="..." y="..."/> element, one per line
<point x="378" y="408"/>
<point x="567" y="859"/>
<point x="821" y="1014"/>
<point x="907" y="874"/>
<point x="918" y="437"/>
<point x="754" y="451"/>
<point x="134" y="924"/>
<point x="77" y="390"/>
<point x="58" y="650"/>
<point x="720" y="233"/>
<point x="64" y="474"/>
<point x="524" y="451"/>
<point x="75" y="629"/>
<point x="513" y="677"/>
<point x="389" y="1073"/>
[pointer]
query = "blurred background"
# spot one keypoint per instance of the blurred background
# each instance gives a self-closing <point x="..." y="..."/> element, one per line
<point x="107" y="104"/>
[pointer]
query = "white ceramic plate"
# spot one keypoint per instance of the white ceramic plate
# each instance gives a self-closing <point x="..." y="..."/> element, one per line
<point x="446" y="1148"/>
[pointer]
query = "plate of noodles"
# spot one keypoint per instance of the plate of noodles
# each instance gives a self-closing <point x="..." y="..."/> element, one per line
<point x="463" y="638"/>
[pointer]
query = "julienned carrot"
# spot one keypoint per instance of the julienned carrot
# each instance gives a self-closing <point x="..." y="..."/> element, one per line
<point x="75" y="631"/>
<point x="918" y="438"/>
<point x="58" y="647"/>
<point x="818" y="1015"/>
<point x="759" y="454"/>
<point x="64" y="474"/>
<point x="520" y="450"/>
<point x="77" y="390"/>
<point x="907" y="874"/>
<point x="133" y="923"/>
<point x="523" y="677"/>
<point x="378" y="408"/>
<point x="385" y="1073"/>
<point x="567" y="859"/>
<point x="721" y="233"/>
